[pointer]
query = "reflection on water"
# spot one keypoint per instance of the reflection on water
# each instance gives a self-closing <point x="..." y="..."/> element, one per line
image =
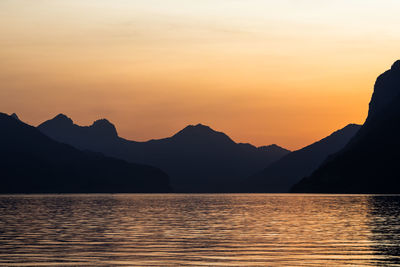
<point x="216" y="230"/>
<point x="384" y="218"/>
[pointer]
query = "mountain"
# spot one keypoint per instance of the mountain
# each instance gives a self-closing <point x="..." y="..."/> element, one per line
<point x="63" y="129"/>
<point x="370" y="162"/>
<point x="31" y="162"/>
<point x="15" y="116"/>
<point x="281" y="175"/>
<point x="197" y="158"/>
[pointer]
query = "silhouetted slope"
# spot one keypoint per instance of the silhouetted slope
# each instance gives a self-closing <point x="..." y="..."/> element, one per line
<point x="14" y="116"/>
<point x="100" y="133"/>
<point x="281" y="175"/>
<point x="197" y="158"/>
<point x="31" y="162"/>
<point x="370" y="162"/>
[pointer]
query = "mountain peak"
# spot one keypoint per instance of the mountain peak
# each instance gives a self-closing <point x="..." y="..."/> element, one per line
<point x="273" y="148"/>
<point x="201" y="132"/>
<point x="396" y="65"/>
<point x="386" y="89"/>
<point x="15" y="116"/>
<point x="103" y="126"/>
<point x="199" y="127"/>
<point x="63" y="119"/>
<point x="63" y="129"/>
<point x="101" y="123"/>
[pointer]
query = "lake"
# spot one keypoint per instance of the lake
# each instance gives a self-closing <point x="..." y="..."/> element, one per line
<point x="199" y="230"/>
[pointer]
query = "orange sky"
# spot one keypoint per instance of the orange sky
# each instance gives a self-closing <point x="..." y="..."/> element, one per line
<point x="286" y="72"/>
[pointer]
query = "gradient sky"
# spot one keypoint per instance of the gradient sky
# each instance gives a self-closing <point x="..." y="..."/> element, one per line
<point x="285" y="71"/>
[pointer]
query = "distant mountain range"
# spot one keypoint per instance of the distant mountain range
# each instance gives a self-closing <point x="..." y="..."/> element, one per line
<point x="31" y="162"/>
<point x="281" y="175"/>
<point x="197" y="158"/>
<point x="60" y="156"/>
<point x="370" y="163"/>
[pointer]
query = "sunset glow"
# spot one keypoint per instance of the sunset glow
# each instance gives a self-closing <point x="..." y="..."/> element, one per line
<point x="286" y="72"/>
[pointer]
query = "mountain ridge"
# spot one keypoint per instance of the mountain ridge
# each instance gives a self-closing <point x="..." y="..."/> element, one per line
<point x="279" y="176"/>
<point x="197" y="158"/>
<point x="369" y="163"/>
<point x="31" y="162"/>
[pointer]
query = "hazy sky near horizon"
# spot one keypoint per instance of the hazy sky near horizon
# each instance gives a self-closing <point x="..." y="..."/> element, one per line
<point x="285" y="71"/>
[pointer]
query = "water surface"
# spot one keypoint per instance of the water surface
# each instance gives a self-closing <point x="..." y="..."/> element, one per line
<point x="200" y="229"/>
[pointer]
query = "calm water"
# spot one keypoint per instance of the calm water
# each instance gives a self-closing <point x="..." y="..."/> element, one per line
<point x="196" y="230"/>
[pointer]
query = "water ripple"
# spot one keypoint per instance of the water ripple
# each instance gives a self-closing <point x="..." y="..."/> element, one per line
<point x="199" y="230"/>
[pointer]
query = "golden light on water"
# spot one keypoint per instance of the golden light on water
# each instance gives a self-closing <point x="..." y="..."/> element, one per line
<point x="200" y="229"/>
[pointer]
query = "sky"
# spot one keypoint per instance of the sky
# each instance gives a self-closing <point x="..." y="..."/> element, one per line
<point x="288" y="72"/>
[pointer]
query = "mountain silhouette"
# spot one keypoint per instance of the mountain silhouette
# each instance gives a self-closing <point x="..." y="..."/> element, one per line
<point x="31" y="162"/>
<point x="281" y="175"/>
<point x="197" y="158"/>
<point x="15" y="116"/>
<point x="370" y="162"/>
<point x="63" y="129"/>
